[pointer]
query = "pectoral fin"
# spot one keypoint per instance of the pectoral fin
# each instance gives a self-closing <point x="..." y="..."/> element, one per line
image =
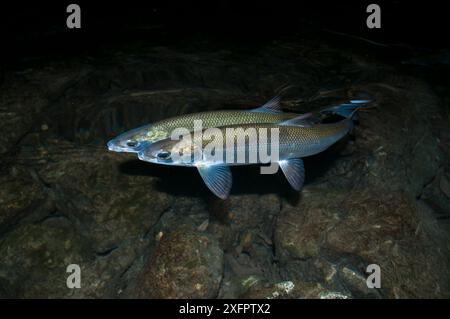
<point x="218" y="179"/>
<point x="294" y="171"/>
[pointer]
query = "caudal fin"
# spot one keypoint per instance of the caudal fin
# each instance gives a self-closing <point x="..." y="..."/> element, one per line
<point x="349" y="109"/>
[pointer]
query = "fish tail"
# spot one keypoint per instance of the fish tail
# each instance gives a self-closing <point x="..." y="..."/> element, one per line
<point x="349" y="109"/>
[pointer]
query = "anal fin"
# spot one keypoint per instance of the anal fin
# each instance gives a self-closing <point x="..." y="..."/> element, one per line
<point x="294" y="170"/>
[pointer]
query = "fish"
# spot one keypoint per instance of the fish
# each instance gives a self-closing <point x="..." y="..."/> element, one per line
<point x="138" y="139"/>
<point x="297" y="138"/>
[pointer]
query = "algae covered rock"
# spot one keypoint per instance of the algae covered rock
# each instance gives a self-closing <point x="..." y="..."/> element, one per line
<point x="185" y="264"/>
<point x="20" y="195"/>
<point x="34" y="259"/>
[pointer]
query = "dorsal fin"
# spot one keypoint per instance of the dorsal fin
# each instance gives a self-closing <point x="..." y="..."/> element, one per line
<point x="305" y="120"/>
<point x="272" y="106"/>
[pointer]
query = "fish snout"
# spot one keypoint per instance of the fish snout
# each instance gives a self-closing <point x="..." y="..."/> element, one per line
<point x="110" y="145"/>
<point x="141" y="156"/>
<point x="118" y="146"/>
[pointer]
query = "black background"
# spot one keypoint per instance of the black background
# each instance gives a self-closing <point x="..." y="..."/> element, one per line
<point x="39" y="27"/>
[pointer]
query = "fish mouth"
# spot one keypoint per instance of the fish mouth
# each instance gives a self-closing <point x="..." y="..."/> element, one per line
<point x="114" y="148"/>
<point x="152" y="159"/>
<point x="110" y="146"/>
<point x="141" y="156"/>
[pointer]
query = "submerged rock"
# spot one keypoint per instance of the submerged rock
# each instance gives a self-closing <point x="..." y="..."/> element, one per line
<point x="390" y="230"/>
<point x="184" y="264"/>
<point x="34" y="258"/>
<point x="20" y="196"/>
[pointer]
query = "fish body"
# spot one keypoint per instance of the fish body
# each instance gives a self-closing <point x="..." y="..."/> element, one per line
<point x="295" y="139"/>
<point x="135" y="140"/>
<point x="297" y="136"/>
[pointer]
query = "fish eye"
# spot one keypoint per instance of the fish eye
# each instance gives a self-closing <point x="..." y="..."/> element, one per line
<point x="132" y="143"/>
<point x="163" y="155"/>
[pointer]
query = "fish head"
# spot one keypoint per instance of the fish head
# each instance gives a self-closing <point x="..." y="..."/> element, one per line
<point x="171" y="152"/>
<point x="136" y="140"/>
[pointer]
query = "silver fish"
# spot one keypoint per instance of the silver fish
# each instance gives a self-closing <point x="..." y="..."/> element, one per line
<point x="297" y="138"/>
<point x="137" y="139"/>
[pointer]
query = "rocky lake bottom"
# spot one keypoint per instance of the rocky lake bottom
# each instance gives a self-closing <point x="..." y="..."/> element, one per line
<point x="138" y="230"/>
